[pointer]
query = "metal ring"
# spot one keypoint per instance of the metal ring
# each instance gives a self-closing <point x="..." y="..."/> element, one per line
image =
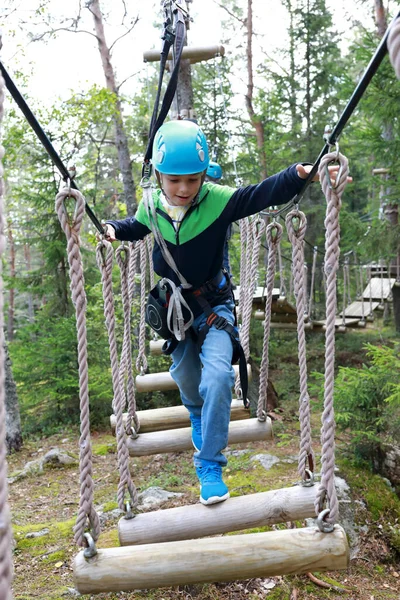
<point x="128" y="511"/>
<point x="310" y="481"/>
<point x="323" y="525"/>
<point x="90" y="551"/>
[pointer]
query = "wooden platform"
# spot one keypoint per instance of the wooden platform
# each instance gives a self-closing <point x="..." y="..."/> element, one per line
<point x="259" y="294"/>
<point x="355" y="309"/>
<point x="338" y="323"/>
<point x="379" y="289"/>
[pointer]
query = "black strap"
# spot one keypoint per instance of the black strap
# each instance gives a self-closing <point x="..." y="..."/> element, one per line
<point x="169" y="37"/>
<point x="214" y="320"/>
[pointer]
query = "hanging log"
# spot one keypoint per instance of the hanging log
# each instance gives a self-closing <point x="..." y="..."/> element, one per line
<point x="175" y="417"/>
<point x="236" y="514"/>
<point x="156" y="347"/>
<point x="193" y="54"/>
<point x="212" y="559"/>
<point x="178" y="440"/>
<point x="162" y="382"/>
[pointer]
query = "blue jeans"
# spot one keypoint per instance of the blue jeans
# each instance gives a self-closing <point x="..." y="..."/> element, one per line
<point x="205" y="383"/>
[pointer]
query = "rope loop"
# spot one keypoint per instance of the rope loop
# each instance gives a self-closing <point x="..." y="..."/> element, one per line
<point x="296" y="224"/>
<point x="273" y="234"/>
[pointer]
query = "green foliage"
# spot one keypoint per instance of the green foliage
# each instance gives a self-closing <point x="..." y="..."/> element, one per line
<point x="367" y="402"/>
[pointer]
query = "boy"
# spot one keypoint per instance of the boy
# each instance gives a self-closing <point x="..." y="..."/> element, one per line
<point x="193" y="218"/>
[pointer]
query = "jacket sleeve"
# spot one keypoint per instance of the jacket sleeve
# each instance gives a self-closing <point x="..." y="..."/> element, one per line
<point x="129" y="230"/>
<point x="273" y="191"/>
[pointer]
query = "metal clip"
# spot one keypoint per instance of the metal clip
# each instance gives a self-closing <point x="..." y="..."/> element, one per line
<point x="90" y="551"/>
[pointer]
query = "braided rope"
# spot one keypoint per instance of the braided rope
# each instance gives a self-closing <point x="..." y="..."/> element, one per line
<point x="123" y="258"/>
<point x="104" y="255"/>
<point x="333" y="196"/>
<point x="149" y="243"/>
<point x="141" y="360"/>
<point x="6" y="566"/>
<point x="257" y="230"/>
<point x="86" y="509"/>
<point x="243" y="227"/>
<point x="282" y="286"/>
<point x="296" y="224"/>
<point x="273" y="236"/>
<point x="393" y="44"/>
<point x="133" y="261"/>
<point x="313" y="270"/>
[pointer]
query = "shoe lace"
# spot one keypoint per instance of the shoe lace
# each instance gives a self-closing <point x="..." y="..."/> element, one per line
<point x="211" y="473"/>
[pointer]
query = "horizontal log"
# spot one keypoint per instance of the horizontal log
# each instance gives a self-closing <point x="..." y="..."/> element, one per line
<point x="162" y="382"/>
<point x="156" y="347"/>
<point x="236" y="514"/>
<point x="222" y="559"/>
<point x="178" y="440"/>
<point x="175" y="417"/>
<point x="192" y="53"/>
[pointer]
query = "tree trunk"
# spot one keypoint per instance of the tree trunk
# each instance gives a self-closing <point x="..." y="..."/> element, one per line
<point x="11" y="295"/>
<point x="124" y="160"/>
<point x="13" y="421"/>
<point x="255" y="119"/>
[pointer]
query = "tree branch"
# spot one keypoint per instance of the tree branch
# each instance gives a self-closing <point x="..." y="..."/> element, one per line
<point x="127" y="32"/>
<point x="231" y="14"/>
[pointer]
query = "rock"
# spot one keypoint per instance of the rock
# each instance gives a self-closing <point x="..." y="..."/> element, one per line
<point x="155" y="496"/>
<point x="36" y="534"/>
<point x="236" y="452"/>
<point x="57" y="457"/>
<point x="267" y="460"/>
<point x="71" y="592"/>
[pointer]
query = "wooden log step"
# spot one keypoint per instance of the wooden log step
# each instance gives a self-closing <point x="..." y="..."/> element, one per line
<point x="222" y="559"/>
<point x="175" y="417"/>
<point x="162" y="382"/>
<point x="194" y="54"/>
<point x="178" y="440"/>
<point x="235" y="514"/>
<point x="156" y="347"/>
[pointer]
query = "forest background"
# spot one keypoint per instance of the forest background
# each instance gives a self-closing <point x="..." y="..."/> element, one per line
<point x="262" y="108"/>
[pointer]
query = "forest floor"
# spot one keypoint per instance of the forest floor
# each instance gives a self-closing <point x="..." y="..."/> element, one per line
<point x="47" y="502"/>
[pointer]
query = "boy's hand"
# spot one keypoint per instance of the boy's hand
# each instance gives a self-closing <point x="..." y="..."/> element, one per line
<point x="304" y="170"/>
<point x="109" y="233"/>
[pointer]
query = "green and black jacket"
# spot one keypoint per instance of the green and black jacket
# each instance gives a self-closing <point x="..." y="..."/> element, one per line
<point x="197" y="247"/>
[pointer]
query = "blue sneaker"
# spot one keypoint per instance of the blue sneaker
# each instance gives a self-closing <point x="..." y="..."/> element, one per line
<point x="212" y="488"/>
<point x="197" y="438"/>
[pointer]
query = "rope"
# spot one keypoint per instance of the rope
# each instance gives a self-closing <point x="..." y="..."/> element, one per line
<point x="296" y="224"/>
<point x="71" y="229"/>
<point x="327" y="491"/>
<point x="273" y="235"/>
<point x="313" y="270"/>
<point x="141" y="360"/>
<point x="6" y="566"/>
<point x="282" y="287"/>
<point x="244" y="228"/>
<point x="149" y="244"/>
<point x="123" y="258"/>
<point x="104" y="255"/>
<point x="393" y="44"/>
<point x="257" y="229"/>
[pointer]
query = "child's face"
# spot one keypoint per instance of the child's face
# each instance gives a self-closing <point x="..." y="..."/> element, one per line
<point x="181" y="189"/>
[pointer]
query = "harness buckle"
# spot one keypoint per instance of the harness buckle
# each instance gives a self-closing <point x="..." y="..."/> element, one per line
<point x="216" y="320"/>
